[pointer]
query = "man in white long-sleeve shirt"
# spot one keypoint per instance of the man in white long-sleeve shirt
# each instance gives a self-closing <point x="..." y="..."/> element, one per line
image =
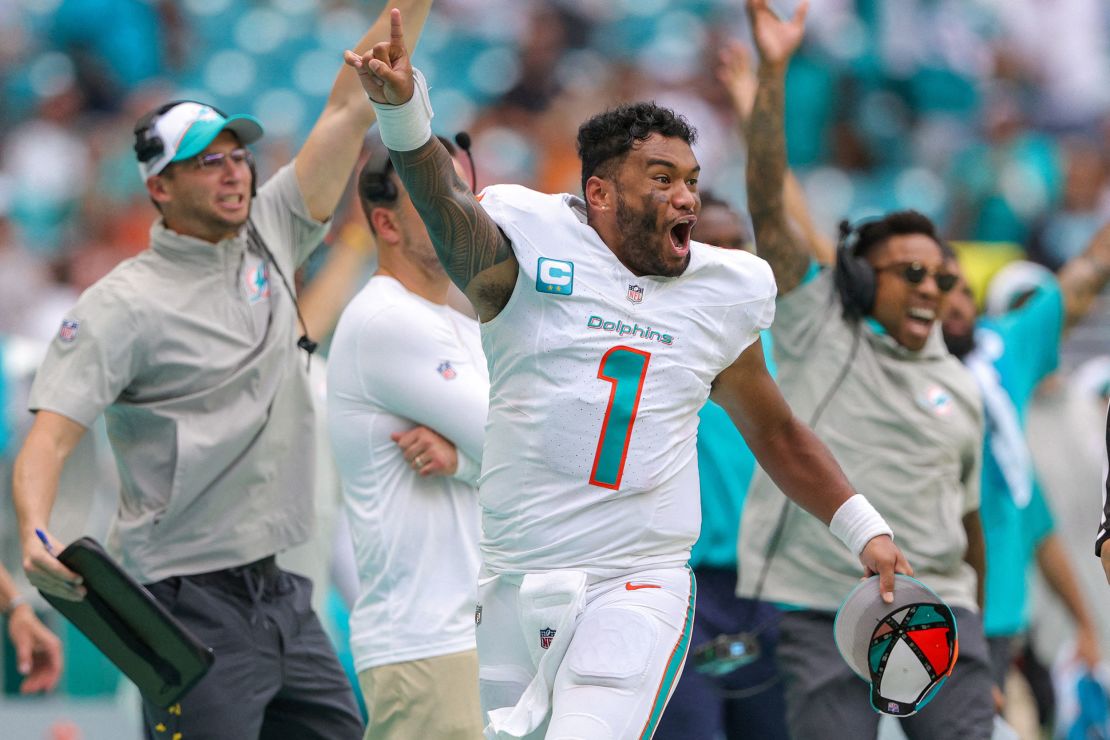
<point x="408" y="394"/>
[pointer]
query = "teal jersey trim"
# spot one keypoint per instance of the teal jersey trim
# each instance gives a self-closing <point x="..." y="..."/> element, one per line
<point x="674" y="665"/>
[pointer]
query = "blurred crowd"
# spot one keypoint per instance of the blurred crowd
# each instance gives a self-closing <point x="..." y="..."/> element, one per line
<point x="990" y="116"/>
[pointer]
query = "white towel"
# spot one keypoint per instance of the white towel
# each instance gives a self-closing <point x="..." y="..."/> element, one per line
<point x="549" y="606"/>
<point x="1008" y="444"/>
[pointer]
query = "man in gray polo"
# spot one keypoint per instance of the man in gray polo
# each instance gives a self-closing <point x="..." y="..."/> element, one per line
<point x="190" y="351"/>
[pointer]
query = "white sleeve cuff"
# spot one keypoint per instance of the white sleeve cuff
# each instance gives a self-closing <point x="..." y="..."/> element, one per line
<point x="468" y="470"/>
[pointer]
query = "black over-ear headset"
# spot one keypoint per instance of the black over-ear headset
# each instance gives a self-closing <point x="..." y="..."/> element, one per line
<point x="854" y="275"/>
<point x="148" y="144"/>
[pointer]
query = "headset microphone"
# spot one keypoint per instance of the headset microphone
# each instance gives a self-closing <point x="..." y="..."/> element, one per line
<point x="463" y="140"/>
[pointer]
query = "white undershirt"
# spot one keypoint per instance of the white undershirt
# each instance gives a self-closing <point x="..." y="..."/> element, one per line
<point x="398" y="361"/>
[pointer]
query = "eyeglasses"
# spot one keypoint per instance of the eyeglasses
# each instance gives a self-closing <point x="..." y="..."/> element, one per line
<point x="216" y="160"/>
<point x="915" y="273"/>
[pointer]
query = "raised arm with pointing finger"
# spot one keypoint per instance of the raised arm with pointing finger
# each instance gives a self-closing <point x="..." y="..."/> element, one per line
<point x="328" y="155"/>
<point x="476" y="255"/>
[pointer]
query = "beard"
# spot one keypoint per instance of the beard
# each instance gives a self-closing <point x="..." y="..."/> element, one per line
<point x="960" y="345"/>
<point x="640" y="240"/>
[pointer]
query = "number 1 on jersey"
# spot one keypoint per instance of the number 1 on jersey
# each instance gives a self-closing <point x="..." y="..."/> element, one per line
<point x="625" y="368"/>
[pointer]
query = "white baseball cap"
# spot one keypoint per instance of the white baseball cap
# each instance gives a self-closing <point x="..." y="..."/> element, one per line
<point x="905" y="649"/>
<point x="184" y="130"/>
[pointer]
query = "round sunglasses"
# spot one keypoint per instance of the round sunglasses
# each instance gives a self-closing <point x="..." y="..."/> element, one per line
<point x="915" y="273"/>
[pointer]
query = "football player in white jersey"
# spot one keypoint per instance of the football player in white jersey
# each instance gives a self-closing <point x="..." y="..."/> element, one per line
<point x="605" y="329"/>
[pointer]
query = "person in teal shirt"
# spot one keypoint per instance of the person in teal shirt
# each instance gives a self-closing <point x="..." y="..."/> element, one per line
<point x="1009" y="352"/>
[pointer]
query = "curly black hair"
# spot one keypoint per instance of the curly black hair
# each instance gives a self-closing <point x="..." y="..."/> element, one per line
<point x="605" y="139"/>
<point x="871" y="234"/>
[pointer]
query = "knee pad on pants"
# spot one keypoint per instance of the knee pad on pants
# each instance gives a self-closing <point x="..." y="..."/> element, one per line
<point x="612" y="647"/>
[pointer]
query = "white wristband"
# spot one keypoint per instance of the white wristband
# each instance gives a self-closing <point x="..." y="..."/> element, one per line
<point x="856" y="522"/>
<point x="407" y="126"/>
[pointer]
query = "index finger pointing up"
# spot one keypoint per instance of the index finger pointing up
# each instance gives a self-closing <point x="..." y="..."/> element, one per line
<point x="396" y="32"/>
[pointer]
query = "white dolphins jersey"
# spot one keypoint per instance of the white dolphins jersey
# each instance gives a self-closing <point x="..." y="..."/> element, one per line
<point x="596" y="379"/>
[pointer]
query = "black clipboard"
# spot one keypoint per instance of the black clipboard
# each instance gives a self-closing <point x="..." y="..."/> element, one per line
<point x="131" y="627"/>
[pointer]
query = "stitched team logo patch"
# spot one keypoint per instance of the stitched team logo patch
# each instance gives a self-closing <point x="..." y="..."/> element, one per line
<point x="937" y="400"/>
<point x="555" y="276"/>
<point x="446" y="370"/>
<point x="68" y="332"/>
<point x="635" y="294"/>
<point x="546" y="636"/>
<point x="257" y="283"/>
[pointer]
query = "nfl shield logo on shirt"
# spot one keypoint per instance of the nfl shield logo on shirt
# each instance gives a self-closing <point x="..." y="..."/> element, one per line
<point x="68" y="332"/>
<point x="635" y="294"/>
<point x="546" y="636"/>
<point x="446" y="370"/>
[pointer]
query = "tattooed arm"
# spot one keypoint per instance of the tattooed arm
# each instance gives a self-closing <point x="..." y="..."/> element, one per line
<point x="475" y="253"/>
<point x="775" y="241"/>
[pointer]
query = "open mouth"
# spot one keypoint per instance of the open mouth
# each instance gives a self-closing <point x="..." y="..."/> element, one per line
<point x="232" y="200"/>
<point x="680" y="237"/>
<point x="922" y="316"/>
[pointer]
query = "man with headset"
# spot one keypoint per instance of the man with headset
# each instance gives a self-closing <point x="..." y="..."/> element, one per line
<point x="408" y="393"/>
<point x="190" y="351"/>
<point x="861" y="358"/>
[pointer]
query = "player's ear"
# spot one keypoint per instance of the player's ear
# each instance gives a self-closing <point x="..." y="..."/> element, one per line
<point x="386" y="227"/>
<point x="599" y="194"/>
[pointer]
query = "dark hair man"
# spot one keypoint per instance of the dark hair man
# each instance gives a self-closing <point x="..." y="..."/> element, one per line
<point x="606" y="328"/>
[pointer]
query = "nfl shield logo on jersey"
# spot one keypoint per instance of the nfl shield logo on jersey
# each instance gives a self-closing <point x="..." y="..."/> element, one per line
<point x="635" y="294"/>
<point x="68" y="332"/>
<point x="446" y="370"/>
<point x="546" y="636"/>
